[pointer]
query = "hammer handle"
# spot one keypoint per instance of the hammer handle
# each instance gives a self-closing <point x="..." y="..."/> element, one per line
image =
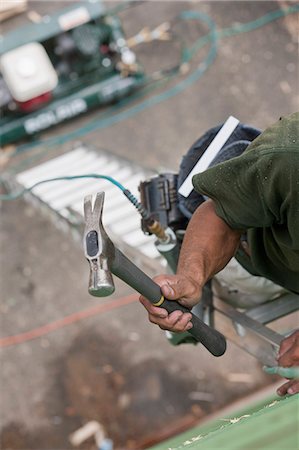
<point x="127" y="271"/>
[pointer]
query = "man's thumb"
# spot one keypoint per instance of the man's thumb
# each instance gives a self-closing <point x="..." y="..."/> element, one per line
<point x="168" y="291"/>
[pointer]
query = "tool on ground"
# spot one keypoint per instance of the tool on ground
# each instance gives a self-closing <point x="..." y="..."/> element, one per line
<point x="104" y="259"/>
<point x="61" y="66"/>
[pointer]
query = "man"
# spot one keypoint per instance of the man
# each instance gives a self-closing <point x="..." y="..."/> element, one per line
<point x="252" y="213"/>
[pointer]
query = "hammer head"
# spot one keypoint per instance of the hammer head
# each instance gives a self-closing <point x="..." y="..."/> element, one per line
<point x="98" y="248"/>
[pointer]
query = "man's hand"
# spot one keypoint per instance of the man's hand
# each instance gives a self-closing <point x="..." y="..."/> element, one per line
<point x="209" y="243"/>
<point x="288" y="356"/>
<point x="174" y="287"/>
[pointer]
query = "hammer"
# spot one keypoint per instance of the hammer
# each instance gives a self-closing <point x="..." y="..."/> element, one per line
<point x="105" y="259"/>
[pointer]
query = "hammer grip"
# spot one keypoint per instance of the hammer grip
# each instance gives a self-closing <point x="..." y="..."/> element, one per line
<point x="127" y="271"/>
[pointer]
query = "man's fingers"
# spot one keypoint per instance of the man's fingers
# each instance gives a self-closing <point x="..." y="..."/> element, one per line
<point x="282" y="390"/>
<point x="153" y="310"/>
<point x="168" y="291"/>
<point x="290" y="358"/>
<point x="291" y="387"/>
<point x="183" y="289"/>
<point x="177" y="289"/>
<point x="287" y="343"/>
<point x="177" y="322"/>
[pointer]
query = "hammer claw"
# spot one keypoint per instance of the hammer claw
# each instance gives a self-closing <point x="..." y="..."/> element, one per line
<point x="98" y="206"/>
<point x="93" y="212"/>
<point x="87" y="207"/>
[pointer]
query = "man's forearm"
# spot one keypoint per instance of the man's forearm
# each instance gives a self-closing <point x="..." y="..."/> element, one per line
<point x="208" y="245"/>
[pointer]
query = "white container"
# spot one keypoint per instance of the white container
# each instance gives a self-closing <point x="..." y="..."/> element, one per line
<point x="28" y="71"/>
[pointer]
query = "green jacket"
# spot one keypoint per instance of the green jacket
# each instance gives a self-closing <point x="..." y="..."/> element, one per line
<point x="258" y="192"/>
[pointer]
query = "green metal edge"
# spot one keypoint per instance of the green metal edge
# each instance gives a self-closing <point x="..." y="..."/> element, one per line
<point x="273" y="424"/>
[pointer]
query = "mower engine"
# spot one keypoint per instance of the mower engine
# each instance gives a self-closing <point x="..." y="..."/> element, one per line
<point x="29" y="77"/>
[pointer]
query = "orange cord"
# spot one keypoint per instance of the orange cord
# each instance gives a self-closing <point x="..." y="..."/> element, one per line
<point x="68" y="320"/>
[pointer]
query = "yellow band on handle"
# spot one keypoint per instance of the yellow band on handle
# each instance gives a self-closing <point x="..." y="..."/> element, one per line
<point x="159" y="303"/>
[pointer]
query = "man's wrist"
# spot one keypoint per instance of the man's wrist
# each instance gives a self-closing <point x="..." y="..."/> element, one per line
<point x="193" y="271"/>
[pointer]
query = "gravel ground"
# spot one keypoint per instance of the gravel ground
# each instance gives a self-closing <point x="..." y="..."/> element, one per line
<point x="114" y="366"/>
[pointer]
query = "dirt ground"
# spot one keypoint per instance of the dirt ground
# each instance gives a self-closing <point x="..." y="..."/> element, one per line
<point x="114" y="366"/>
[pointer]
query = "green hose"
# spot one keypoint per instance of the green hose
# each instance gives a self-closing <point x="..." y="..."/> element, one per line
<point x="213" y="36"/>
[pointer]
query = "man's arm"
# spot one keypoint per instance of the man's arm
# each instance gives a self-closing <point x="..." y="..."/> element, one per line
<point x="208" y="245"/>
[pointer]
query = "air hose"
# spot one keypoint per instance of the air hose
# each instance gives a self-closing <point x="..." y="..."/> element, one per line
<point x="153" y="225"/>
